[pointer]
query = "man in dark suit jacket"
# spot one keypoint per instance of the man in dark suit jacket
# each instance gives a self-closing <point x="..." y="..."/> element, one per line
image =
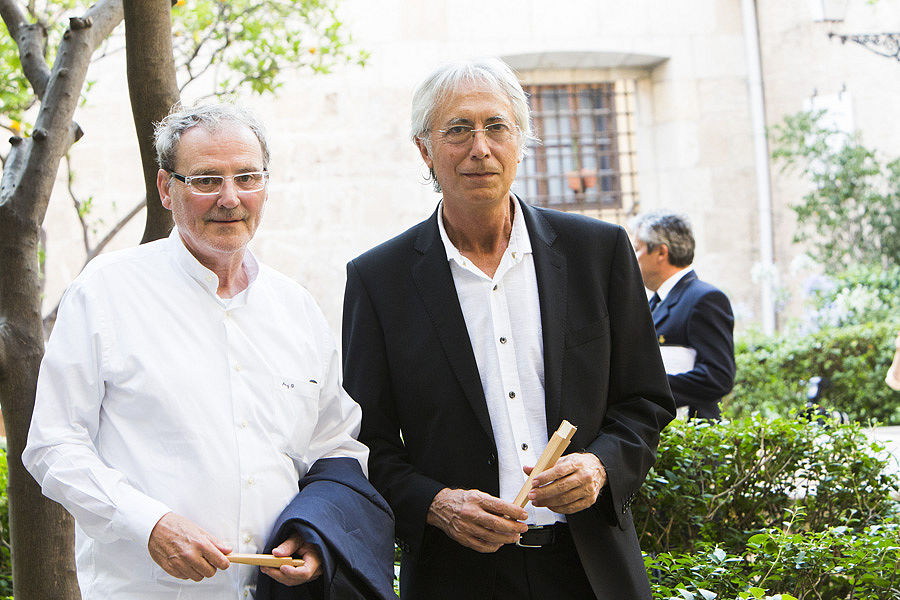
<point x="470" y="337"/>
<point x="693" y="319"/>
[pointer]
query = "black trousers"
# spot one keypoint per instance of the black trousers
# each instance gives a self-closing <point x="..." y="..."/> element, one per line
<point x="550" y="573"/>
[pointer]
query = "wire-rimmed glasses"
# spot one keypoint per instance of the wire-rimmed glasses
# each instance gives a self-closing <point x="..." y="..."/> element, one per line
<point x="498" y="132"/>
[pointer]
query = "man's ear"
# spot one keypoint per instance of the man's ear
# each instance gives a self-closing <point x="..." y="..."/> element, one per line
<point x="423" y="150"/>
<point x="162" y="185"/>
<point x="663" y="253"/>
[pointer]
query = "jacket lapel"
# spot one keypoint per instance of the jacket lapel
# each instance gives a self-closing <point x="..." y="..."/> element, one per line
<point x="434" y="282"/>
<point x="662" y="311"/>
<point x="550" y="269"/>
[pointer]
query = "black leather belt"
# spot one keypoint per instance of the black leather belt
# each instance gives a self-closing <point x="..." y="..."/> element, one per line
<point x="540" y="536"/>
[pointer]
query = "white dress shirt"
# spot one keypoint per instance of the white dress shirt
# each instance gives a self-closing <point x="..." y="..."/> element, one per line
<point x="503" y="318"/>
<point x="666" y="286"/>
<point x="156" y="395"/>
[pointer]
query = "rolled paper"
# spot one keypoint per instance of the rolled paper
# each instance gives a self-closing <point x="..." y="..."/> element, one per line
<point x="557" y="444"/>
<point x="264" y="560"/>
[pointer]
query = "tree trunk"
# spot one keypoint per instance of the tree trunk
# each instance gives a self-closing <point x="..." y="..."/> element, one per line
<point x="41" y="531"/>
<point x="153" y="89"/>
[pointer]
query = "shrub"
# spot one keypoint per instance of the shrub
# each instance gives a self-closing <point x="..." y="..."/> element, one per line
<point x="835" y="564"/>
<point x="772" y="372"/>
<point x="719" y="483"/>
<point x="850" y="215"/>
<point x="859" y="295"/>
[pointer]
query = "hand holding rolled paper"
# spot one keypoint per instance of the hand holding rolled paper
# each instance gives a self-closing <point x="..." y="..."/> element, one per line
<point x="557" y="444"/>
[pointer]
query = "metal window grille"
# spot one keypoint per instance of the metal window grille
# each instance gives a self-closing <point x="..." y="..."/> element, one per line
<point x="585" y="161"/>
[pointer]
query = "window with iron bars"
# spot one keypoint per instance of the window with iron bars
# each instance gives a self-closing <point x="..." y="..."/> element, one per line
<point x="585" y="160"/>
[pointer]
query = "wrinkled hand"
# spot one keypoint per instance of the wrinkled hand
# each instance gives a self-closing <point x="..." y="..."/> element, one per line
<point x="571" y="485"/>
<point x="184" y="550"/>
<point x="289" y="575"/>
<point x="477" y="520"/>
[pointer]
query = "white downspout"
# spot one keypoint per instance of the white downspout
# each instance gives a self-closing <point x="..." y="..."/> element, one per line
<point x="761" y="158"/>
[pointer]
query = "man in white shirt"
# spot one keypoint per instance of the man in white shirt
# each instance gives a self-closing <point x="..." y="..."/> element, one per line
<point x="693" y="319"/>
<point x="186" y="388"/>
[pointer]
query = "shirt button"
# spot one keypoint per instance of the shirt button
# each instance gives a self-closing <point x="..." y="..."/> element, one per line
<point x="495" y="287"/>
<point x="502" y="340"/>
<point x="244" y="424"/>
<point x="246" y="593"/>
<point x="237" y="367"/>
<point x="512" y="394"/>
<point x="248" y="538"/>
<point x="250" y="481"/>
<point x="524" y="446"/>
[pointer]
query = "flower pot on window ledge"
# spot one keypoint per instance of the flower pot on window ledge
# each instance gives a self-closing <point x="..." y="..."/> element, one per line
<point x="589" y="178"/>
<point x="574" y="180"/>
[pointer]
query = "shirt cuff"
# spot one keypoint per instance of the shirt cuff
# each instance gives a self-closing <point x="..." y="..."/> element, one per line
<point x="138" y="515"/>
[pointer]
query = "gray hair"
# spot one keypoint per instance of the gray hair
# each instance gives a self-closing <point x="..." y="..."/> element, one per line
<point x="167" y="133"/>
<point x="662" y="227"/>
<point x="447" y="79"/>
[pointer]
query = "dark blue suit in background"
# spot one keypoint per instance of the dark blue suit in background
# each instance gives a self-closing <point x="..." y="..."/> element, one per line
<point x="698" y="315"/>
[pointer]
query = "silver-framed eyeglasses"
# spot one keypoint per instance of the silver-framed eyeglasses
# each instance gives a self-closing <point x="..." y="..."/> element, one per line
<point x="498" y="132"/>
<point x="207" y="185"/>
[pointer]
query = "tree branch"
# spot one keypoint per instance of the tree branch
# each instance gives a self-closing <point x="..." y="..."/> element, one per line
<point x="50" y="318"/>
<point x="116" y="229"/>
<point x="13" y="167"/>
<point x="53" y="130"/>
<point x="30" y="39"/>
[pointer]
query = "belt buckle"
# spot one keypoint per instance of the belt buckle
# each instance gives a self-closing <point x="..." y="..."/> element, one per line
<point x="530" y="527"/>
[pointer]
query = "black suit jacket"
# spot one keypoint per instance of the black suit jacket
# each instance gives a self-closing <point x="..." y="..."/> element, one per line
<point x="697" y="315"/>
<point x="409" y="363"/>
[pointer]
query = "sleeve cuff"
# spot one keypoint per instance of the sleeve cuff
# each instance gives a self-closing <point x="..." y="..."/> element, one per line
<point x="138" y="516"/>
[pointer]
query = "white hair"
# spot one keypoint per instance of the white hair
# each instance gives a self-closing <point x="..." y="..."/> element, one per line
<point x="167" y="133"/>
<point x="447" y="79"/>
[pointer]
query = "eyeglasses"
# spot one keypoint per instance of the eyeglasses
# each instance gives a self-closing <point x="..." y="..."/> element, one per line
<point x="207" y="185"/>
<point x="498" y="133"/>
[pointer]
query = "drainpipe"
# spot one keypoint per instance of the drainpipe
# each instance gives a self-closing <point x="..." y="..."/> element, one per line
<point x="761" y="158"/>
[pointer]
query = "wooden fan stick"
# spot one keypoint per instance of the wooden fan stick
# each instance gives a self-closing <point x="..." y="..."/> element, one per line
<point x="264" y="560"/>
<point x="558" y="443"/>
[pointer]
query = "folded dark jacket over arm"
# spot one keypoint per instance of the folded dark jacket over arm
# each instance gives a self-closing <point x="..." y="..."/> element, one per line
<point x="339" y="512"/>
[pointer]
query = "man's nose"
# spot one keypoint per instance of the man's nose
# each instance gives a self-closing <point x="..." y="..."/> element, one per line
<point x="480" y="146"/>
<point x="228" y="197"/>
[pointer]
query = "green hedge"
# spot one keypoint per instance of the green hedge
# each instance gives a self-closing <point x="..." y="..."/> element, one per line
<point x="719" y="483"/>
<point x="771" y="373"/>
<point x="711" y="515"/>
<point x="838" y="563"/>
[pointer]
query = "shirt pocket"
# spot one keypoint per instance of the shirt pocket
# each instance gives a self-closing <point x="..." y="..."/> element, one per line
<point x="298" y="406"/>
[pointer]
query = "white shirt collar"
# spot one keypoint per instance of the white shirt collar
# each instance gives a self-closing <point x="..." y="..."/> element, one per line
<point x="519" y="242"/>
<point x="669" y="283"/>
<point x="205" y="277"/>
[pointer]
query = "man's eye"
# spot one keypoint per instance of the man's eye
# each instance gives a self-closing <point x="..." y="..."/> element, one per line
<point x="458" y="130"/>
<point x="498" y="128"/>
<point x="245" y="178"/>
<point x="205" y="181"/>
